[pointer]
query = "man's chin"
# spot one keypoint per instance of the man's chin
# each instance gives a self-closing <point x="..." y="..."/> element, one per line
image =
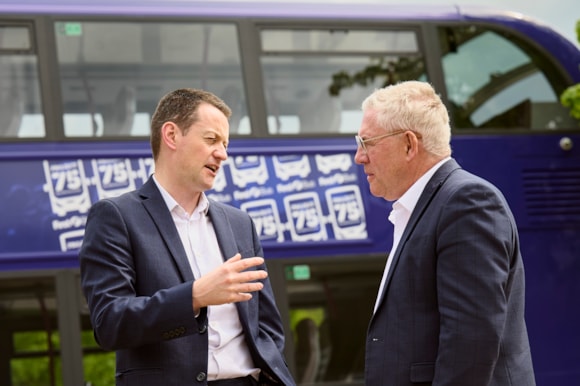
<point x="377" y="193"/>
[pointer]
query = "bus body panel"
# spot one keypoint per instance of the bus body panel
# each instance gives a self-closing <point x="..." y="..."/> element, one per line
<point x="325" y="237"/>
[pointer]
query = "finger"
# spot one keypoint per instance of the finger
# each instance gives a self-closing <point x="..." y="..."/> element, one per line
<point x="250" y="276"/>
<point x="242" y="297"/>
<point x="246" y="288"/>
<point x="234" y="258"/>
<point x="249" y="262"/>
<point x="242" y="293"/>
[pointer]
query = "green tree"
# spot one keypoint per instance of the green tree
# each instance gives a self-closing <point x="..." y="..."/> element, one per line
<point x="39" y="363"/>
<point x="35" y="367"/>
<point x="571" y="96"/>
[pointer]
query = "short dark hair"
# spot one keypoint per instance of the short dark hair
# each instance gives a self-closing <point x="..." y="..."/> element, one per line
<point x="180" y="107"/>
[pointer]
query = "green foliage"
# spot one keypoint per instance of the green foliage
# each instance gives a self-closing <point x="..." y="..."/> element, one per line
<point x="34" y="369"/>
<point x="367" y="76"/>
<point x="34" y="372"/>
<point x="389" y="71"/>
<point x="570" y="98"/>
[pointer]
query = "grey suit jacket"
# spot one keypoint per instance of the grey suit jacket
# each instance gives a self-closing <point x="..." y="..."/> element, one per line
<point x="452" y="310"/>
<point x="137" y="280"/>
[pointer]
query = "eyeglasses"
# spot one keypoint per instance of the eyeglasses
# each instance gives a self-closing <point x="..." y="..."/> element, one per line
<point x="361" y="142"/>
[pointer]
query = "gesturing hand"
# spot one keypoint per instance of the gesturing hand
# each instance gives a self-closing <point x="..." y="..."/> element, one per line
<point x="229" y="283"/>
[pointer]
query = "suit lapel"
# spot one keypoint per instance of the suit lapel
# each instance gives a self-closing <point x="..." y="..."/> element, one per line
<point x="429" y="192"/>
<point x="227" y="242"/>
<point x="223" y="230"/>
<point x="155" y="205"/>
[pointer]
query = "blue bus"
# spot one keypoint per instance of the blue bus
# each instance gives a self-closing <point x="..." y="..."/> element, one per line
<point x="80" y="80"/>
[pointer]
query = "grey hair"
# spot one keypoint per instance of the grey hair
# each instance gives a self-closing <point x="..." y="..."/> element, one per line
<point x="414" y="106"/>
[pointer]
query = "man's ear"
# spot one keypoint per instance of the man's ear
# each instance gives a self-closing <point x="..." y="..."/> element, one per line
<point x="169" y="132"/>
<point x="412" y="143"/>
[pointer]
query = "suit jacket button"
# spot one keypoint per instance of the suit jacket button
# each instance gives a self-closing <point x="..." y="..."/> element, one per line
<point x="201" y="377"/>
<point x="203" y="329"/>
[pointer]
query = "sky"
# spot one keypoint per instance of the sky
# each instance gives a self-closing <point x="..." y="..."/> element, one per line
<point x="561" y="15"/>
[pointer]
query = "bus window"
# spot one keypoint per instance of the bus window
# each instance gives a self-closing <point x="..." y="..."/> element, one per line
<point x="299" y="67"/>
<point x="114" y="73"/>
<point x="495" y="82"/>
<point x="20" y="104"/>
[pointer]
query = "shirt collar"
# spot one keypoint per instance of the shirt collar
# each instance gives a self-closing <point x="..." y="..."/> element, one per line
<point x="410" y="198"/>
<point x="201" y="209"/>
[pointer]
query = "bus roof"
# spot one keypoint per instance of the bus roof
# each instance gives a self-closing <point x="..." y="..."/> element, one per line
<point x="258" y="9"/>
<point x="324" y="10"/>
<point x="321" y="11"/>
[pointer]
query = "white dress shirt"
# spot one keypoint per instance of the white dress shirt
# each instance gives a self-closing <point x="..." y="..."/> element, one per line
<point x="400" y="215"/>
<point x="228" y="356"/>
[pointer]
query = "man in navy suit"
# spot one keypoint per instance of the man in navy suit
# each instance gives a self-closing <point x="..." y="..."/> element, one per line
<point x="450" y="307"/>
<point x="176" y="283"/>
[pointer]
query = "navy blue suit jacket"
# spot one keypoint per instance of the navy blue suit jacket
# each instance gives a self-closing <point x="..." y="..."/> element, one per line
<point x="452" y="309"/>
<point x="138" y="284"/>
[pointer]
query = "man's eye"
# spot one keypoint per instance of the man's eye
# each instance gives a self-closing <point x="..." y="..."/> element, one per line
<point x="211" y="139"/>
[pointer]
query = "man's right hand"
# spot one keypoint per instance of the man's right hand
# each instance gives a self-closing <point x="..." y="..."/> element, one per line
<point x="229" y="283"/>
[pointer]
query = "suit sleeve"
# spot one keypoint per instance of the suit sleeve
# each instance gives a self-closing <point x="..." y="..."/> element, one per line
<point x="121" y="316"/>
<point x="476" y="246"/>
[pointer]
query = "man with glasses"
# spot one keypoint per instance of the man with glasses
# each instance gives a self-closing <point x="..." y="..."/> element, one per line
<point x="450" y="307"/>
